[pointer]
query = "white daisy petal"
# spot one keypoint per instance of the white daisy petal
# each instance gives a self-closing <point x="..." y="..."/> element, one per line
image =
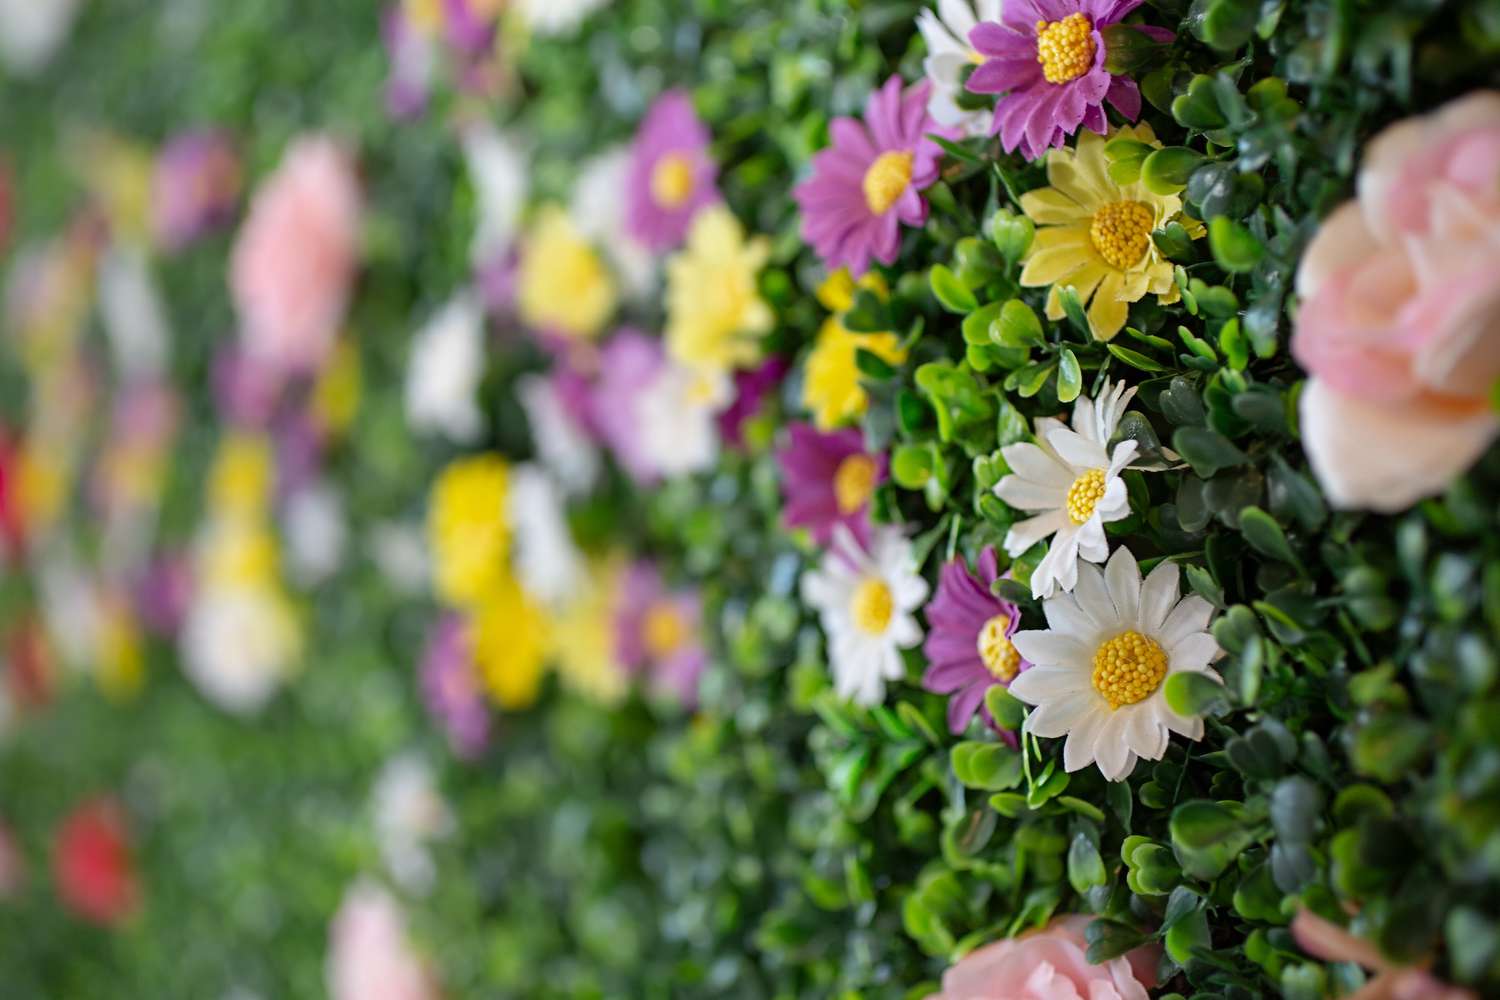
<point x="1065" y="616"/>
<point x="1144" y="732"/>
<point x="1078" y="450"/>
<point x="1189" y="616"/>
<point x="1062" y="715"/>
<point x="1024" y="534"/>
<point x="1092" y="545"/>
<point x="1122" y="576"/>
<point x="1084" y="423"/>
<point x="1032" y="462"/>
<point x="1082" y="746"/>
<point x="1123" y="454"/>
<point x="1158" y="595"/>
<point x="1050" y="649"/>
<point x="1043" y="684"/>
<point x="1115" y="504"/>
<point x="1193" y="651"/>
<point x="1059" y="567"/>
<point x="1111" y="748"/>
<point x="1025" y="494"/>
<point x="1093" y="597"/>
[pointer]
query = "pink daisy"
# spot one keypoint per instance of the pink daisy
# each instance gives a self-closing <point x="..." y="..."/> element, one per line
<point x="671" y="175"/>
<point x="828" y="480"/>
<point x="866" y="184"/>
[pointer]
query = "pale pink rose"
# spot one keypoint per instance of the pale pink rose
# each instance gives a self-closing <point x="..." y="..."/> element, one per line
<point x="295" y="256"/>
<point x="1399" y="323"/>
<point x="1049" y="964"/>
<point x="369" y="956"/>
<point x="1332" y="943"/>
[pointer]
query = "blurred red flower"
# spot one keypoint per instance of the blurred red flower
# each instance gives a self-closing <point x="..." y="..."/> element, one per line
<point x="91" y="863"/>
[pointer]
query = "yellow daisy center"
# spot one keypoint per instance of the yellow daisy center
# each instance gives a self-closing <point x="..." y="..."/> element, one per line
<point x="872" y="606"/>
<point x="1065" y="48"/>
<point x="995" y="649"/>
<point x="672" y="180"/>
<point x="663" y="630"/>
<point x="1128" y="668"/>
<point x="1084" y="495"/>
<point x="886" y="180"/>
<point x="1121" y="232"/>
<point x="854" y="482"/>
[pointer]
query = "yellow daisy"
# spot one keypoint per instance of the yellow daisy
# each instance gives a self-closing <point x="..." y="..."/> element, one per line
<point x="831" y="390"/>
<point x="715" y="315"/>
<point x="1095" y="235"/>
<point x="583" y="643"/>
<point x="509" y="634"/>
<point x="467" y="529"/>
<point x="562" y="284"/>
<point x="239" y="482"/>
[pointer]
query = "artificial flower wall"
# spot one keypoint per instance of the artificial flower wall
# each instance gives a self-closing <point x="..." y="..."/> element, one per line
<point x="644" y="498"/>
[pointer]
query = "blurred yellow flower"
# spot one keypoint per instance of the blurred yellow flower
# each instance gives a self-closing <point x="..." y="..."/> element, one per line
<point x="830" y="380"/>
<point x="1095" y="235"/>
<point x="563" y="284"/>
<point x="467" y="529"/>
<point x="121" y="664"/>
<point x="41" y="486"/>
<point x="336" y="396"/>
<point x="715" y="315"/>
<point x="509" y="637"/>
<point x="583" y="641"/>
<point x="237" y="552"/>
<point x="239" y="482"/>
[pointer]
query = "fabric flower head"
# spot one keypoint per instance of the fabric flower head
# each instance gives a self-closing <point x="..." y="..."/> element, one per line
<point x="831" y="387"/>
<point x="467" y="528"/>
<point x="1072" y="478"/>
<point x="563" y="286"/>
<point x="1400" y="318"/>
<point x="1100" y="666"/>
<point x="658" y="634"/>
<point x="509" y="633"/>
<point x="1047" y="57"/>
<point x="715" y="315"/>
<point x="1049" y="964"/>
<point x="294" y="260"/>
<point x="443" y="374"/>
<point x="867" y="600"/>
<point x="671" y="174"/>
<point x="1095" y="234"/>
<point x="370" y="956"/>
<point x="951" y="56"/>
<point x="450" y="688"/>
<point x="194" y="188"/>
<point x="867" y="184"/>
<point x="828" y="480"/>
<point x="92" y="865"/>
<point x="968" y="647"/>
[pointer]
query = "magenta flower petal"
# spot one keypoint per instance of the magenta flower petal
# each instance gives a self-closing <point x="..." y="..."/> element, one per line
<point x="828" y="480"/>
<point x="671" y="175"/>
<point x="957" y="617"/>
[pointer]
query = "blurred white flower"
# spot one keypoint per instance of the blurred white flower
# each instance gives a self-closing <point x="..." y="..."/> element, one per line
<point x="238" y="644"/>
<point x="547" y="562"/>
<point x="498" y="170"/>
<point x="564" y="446"/>
<point x="369" y="954"/>
<point x="675" y="418"/>
<point x="313" y="524"/>
<point x="133" y="315"/>
<point x="949" y="54"/>
<point x="555" y="17"/>
<point x="598" y="210"/>
<point x="409" y="813"/>
<point x="444" y="371"/>
<point x="31" y="32"/>
<point x="400" y="552"/>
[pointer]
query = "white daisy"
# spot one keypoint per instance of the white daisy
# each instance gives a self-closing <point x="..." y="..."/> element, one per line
<point x="598" y="210"/>
<point x="555" y="17"/>
<point x="238" y="644"/>
<point x="446" y="366"/>
<point x="399" y="551"/>
<point x="498" y="170"/>
<point x="949" y="53"/>
<point x="867" y="602"/>
<point x="134" y="318"/>
<point x="547" y="562"/>
<point x="1074" y="480"/>
<point x="313" y="524"/>
<point x="1098" y="670"/>
<point x="675" y="418"/>
<point x="409" y="813"/>
<point x="32" y="31"/>
<point x="562" y="443"/>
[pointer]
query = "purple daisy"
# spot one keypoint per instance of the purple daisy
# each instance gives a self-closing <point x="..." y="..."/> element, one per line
<point x="1047" y="57"/>
<point x="194" y="188"/>
<point x="412" y="60"/>
<point x="658" y="634"/>
<point x="751" y="387"/>
<point x="866" y="184"/>
<point x="671" y="175"/>
<point x="968" y="645"/>
<point x="828" y="480"/>
<point x="451" y="689"/>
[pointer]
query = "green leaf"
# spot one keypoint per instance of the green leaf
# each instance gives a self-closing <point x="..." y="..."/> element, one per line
<point x="1135" y="359"/>
<point x="992" y="767"/>
<point x="1206" y="451"/>
<point x="1012" y="234"/>
<point x="1166" y="171"/>
<point x="1017" y="326"/>
<point x="1190" y="693"/>
<point x="1069" y="377"/>
<point x="976" y="325"/>
<point x="872" y="365"/>
<point x="1085" y="867"/>
<point x="952" y="293"/>
<point x="1265" y="535"/>
<point x="911" y="466"/>
<point x="1008" y="711"/>
<point x="1208" y="836"/>
<point x="1234" y="247"/>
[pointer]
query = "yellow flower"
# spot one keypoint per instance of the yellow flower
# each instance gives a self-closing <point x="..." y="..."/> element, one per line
<point x="584" y="640"/>
<point x="121" y="665"/>
<point x="563" y="284"/>
<point x="240" y="480"/>
<point x="830" y="380"/>
<point x="41" y="486"/>
<point x="336" y="395"/>
<point x="715" y="315"/>
<point x="425" y="16"/>
<point x="1095" y="235"/>
<point x="237" y="552"/>
<point x="467" y="528"/>
<point x="509" y="637"/>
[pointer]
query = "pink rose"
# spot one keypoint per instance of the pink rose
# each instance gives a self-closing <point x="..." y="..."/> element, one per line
<point x="369" y="957"/>
<point x="294" y="259"/>
<point x="1400" y="317"/>
<point x="1049" y="964"/>
<point x="1332" y="943"/>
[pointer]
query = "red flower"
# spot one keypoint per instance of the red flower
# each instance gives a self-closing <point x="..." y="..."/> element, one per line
<point x="91" y="863"/>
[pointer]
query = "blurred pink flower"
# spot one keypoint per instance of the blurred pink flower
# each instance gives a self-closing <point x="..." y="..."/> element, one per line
<point x="1048" y="964"/>
<point x="1400" y="318"/>
<point x="295" y="257"/>
<point x="1332" y="943"/>
<point x="91" y="863"/>
<point x="369" y="955"/>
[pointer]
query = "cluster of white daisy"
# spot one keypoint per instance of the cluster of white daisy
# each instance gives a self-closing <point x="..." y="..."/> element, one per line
<point x="1100" y="667"/>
